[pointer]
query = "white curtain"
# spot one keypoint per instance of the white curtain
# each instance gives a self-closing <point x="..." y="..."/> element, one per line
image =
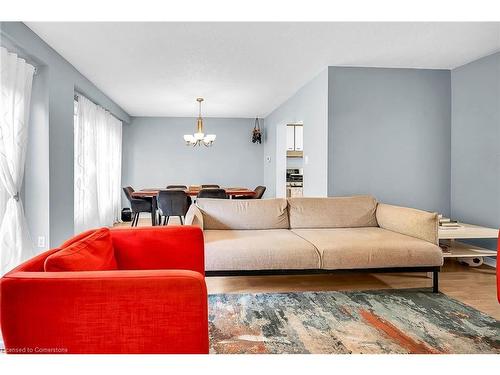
<point x="98" y="155"/>
<point x="16" y="77"/>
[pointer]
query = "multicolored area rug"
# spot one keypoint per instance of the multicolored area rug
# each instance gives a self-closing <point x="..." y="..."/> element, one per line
<point x="390" y="321"/>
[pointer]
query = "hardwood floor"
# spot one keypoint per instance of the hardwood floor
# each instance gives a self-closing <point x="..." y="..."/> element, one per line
<point x="474" y="286"/>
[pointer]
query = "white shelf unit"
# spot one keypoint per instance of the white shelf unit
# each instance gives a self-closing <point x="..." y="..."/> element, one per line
<point x="465" y="231"/>
<point x="458" y="249"/>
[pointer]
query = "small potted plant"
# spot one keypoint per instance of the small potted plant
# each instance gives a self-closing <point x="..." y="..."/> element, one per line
<point x="256" y="133"/>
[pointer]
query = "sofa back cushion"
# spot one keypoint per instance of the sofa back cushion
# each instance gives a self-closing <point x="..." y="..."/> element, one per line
<point x="337" y="212"/>
<point x="243" y="213"/>
<point x="93" y="252"/>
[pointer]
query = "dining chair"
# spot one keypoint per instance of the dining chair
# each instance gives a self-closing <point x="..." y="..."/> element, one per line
<point x="183" y="187"/>
<point x="210" y="186"/>
<point x="212" y="193"/>
<point x="259" y="192"/>
<point x="173" y="203"/>
<point x="137" y="205"/>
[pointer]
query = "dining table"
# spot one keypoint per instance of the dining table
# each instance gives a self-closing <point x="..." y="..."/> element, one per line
<point x="191" y="191"/>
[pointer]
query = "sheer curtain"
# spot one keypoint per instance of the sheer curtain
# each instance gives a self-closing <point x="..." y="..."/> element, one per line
<point x="16" y="77"/>
<point x="98" y="155"/>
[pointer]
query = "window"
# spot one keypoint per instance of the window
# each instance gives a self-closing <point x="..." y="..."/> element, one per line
<point x="97" y="166"/>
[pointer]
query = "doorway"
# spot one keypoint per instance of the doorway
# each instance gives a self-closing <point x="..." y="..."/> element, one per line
<point x="289" y="159"/>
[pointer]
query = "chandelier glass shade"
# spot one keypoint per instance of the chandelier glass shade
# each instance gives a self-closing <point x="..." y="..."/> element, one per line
<point x="199" y="138"/>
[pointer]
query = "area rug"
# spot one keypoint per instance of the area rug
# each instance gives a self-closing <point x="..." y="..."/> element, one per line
<point x="409" y="321"/>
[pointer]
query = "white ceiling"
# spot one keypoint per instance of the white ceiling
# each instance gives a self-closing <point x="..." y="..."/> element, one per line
<point x="247" y="69"/>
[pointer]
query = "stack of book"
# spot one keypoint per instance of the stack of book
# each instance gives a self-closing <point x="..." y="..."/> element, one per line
<point x="447" y="223"/>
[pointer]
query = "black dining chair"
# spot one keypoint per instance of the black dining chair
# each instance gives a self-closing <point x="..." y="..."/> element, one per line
<point x="137" y="205"/>
<point x="173" y="203"/>
<point x="210" y="186"/>
<point x="259" y="192"/>
<point x="183" y="187"/>
<point x="212" y="193"/>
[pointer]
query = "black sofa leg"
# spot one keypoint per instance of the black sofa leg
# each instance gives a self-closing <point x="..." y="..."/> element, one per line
<point x="435" y="281"/>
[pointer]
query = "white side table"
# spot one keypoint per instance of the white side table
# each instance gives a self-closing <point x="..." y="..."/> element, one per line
<point x="457" y="249"/>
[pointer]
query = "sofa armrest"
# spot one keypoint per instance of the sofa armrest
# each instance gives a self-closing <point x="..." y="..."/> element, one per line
<point x="105" y="312"/>
<point x="194" y="216"/>
<point x="151" y="248"/>
<point x="409" y="221"/>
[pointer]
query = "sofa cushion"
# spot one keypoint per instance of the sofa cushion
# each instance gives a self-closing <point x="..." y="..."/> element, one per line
<point x="91" y="253"/>
<point x="337" y="212"/>
<point x="258" y="250"/>
<point x="409" y="221"/>
<point x="352" y="248"/>
<point x="243" y="214"/>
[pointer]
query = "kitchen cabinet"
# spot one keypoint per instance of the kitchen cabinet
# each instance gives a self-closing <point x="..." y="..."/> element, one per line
<point x="299" y="138"/>
<point x="290" y="138"/>
<point x="294" y="140"/>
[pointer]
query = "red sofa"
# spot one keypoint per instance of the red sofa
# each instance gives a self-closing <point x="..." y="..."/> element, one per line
<point x="154" y="302"/>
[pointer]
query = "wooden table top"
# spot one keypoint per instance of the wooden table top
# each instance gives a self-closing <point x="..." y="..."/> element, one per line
<point x="151" y="192"/>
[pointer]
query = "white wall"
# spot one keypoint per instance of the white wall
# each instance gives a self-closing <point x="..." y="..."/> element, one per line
<point x="155" y="155"/>
<point x="308" y="105"/>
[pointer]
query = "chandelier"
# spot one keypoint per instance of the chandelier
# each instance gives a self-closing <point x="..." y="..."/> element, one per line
<point x="199" y="138"/>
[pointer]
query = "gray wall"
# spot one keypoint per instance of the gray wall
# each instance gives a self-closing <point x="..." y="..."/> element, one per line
<point x="389" y="135"/>
<point x="63" y="79"/>
<point x="155" y="155"/>
<point x="310" y="106"/>
<point x="475" y="143"/>
<point x="37" y="169"/>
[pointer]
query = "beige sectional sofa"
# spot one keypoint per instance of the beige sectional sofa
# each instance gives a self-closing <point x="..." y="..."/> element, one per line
<point x="313" y="235"/>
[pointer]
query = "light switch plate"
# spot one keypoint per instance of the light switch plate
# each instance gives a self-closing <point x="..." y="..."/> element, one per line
<point x="41" y="241"/>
